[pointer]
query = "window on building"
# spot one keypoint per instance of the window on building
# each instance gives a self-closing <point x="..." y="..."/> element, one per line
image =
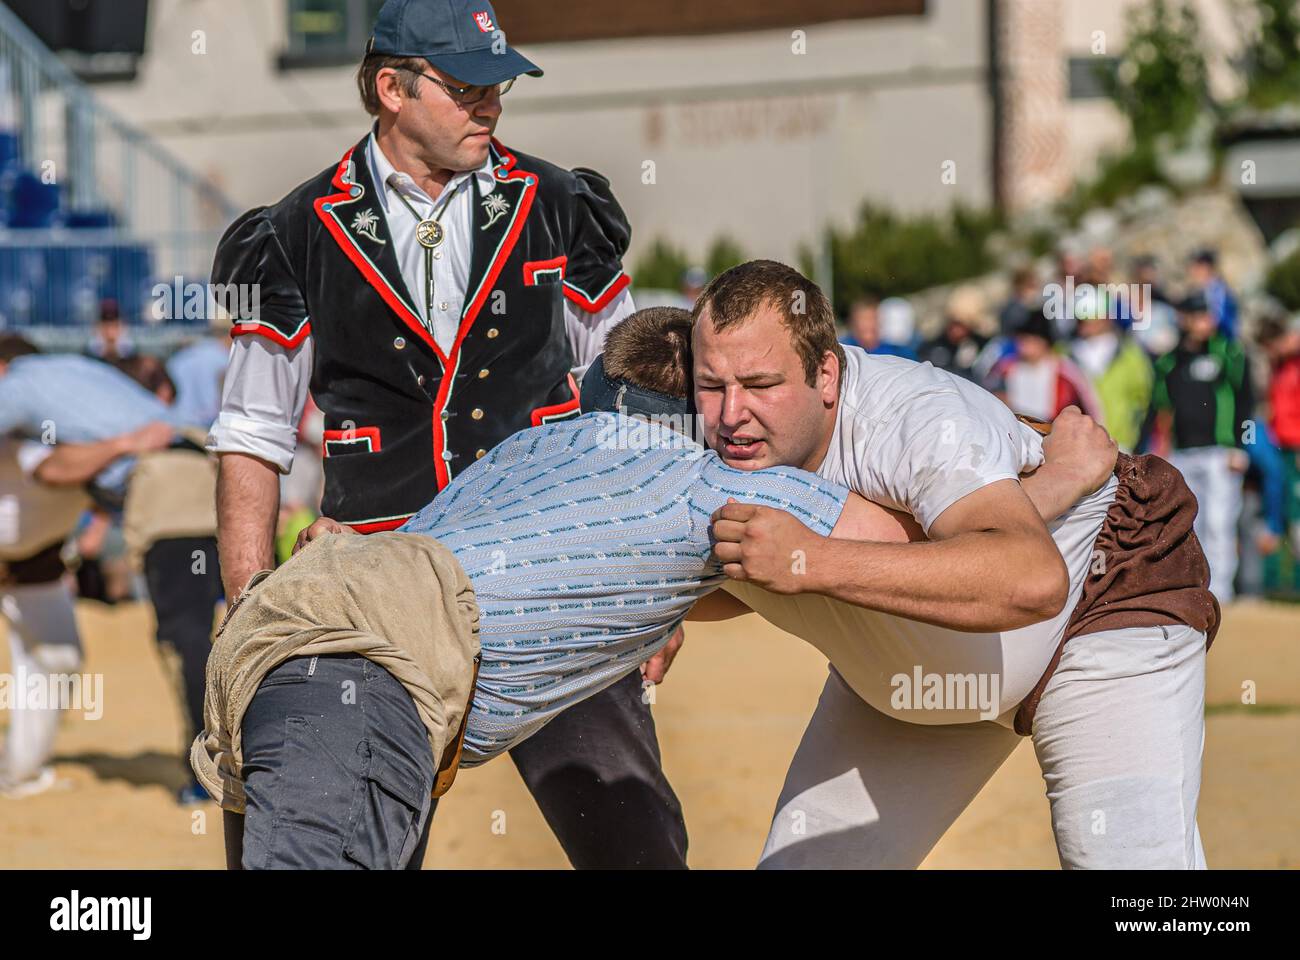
<point x="101" y="40"/>
<point x="1087" y="76"/>
<point x="328" y="32"/>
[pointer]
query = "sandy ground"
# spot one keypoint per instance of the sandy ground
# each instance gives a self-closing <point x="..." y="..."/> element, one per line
<point x="729" y="717"/>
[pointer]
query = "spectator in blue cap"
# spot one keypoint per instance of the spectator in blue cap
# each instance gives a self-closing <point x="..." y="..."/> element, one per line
<point x="1203" y="271"/>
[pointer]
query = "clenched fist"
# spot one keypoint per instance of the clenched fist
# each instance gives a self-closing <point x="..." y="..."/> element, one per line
<point x="763" y="546"/>
<point x="1079" y="446"/>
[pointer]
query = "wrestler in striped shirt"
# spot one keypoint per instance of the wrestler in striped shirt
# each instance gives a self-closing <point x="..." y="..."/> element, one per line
<point x="586" y="548"/>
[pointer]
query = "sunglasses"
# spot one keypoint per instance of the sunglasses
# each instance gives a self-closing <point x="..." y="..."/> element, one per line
<point x="465" y="96"/>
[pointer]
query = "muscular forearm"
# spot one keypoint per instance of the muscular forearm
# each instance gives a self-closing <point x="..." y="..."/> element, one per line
<point x="985" y="580"/>
<point x="1053" y="489"/>
<point x="248" y="500"/>
<point x="75" y="463"/>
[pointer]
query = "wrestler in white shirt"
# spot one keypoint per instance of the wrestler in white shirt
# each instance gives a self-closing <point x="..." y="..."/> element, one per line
<point x="896" y="416"/>
<point x="879" y="778"/>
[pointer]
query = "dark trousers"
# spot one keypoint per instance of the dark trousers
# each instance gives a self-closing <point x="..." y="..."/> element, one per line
<point x="595" y="772"/>
<point x="184" y="580"/>
<point x="338" y="774"/>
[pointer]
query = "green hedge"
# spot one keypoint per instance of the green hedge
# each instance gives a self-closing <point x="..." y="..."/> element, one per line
<point x="661" y="267"/>
<point x="1271" y="58"/>
<point x="886" y="255"/>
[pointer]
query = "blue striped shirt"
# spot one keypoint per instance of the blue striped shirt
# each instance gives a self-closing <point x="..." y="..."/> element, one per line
<point x="66" y="398"/>
<point x="587" y="542"/>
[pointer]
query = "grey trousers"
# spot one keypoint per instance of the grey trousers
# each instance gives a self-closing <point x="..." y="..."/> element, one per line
<point x="338" y="773"/>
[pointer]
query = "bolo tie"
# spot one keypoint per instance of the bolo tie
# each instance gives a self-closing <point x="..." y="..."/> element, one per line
<point x="430" y="233"/>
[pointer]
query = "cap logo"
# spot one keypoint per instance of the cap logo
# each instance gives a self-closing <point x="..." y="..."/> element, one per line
<point x="484" y="21"/>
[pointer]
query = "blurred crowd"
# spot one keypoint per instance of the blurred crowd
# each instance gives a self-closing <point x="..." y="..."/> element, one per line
<point x="1164" y="366"/>
<point x="105" y="486"/>
<point x="188" y="381"/>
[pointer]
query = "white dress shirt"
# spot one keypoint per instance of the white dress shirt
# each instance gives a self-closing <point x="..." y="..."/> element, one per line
<point x="451" y="257"/>
<point x="266" y="384"/>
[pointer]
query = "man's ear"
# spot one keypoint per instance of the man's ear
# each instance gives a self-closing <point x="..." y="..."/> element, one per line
<point x="829" y="375"/>
<point x="389" y="89"/>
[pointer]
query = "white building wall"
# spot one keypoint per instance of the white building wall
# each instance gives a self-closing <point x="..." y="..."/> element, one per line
<point x="747" y="137"/>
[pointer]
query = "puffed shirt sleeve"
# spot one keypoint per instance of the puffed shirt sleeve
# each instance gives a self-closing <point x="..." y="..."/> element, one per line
<point x="267" y="380"/>
<point x="596" y="288"/>
<point x="262" y="400"/>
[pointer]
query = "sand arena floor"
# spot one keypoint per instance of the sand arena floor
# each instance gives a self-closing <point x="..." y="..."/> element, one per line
<point x="729" y="717"/>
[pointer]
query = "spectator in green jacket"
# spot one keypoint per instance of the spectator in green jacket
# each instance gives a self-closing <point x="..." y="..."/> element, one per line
<point x="1120" y="374"/>
<point x="1203" y="402"/>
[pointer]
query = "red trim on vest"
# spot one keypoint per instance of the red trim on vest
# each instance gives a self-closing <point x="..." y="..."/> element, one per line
<point x="595" y="306"/>
<point x="272" y="334"/>
<point x="533" y="267"/>
<point x="568" y="406"/>
<point x="505" y="171"/>
<point x="348" y="436"/>
<point x="353" y="253"/>
<point x="378" y="525"/>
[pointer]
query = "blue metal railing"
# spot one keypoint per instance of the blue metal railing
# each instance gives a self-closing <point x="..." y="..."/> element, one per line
<point x="90" y="207"/>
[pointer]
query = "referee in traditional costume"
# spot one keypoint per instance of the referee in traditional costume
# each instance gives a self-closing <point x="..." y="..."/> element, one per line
<point x="436" y="292"/>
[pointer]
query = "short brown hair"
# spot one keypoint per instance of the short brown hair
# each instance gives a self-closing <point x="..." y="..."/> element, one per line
<point x="652" y="349"/>
<point x="736" y="295"/>
<point x="12" y="345"/>
<point x="368" y="78"/>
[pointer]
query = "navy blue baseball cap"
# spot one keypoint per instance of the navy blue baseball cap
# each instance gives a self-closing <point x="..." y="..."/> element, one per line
<point x="456" y="36"/>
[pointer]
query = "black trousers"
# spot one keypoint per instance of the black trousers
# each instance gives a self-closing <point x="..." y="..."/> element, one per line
<point x="184" y="580"/>
<point x="596" y="773"/>
<point x="338" y="774"/>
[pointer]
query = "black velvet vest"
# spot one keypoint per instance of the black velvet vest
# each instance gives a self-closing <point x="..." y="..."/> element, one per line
<point x="401" y="416"/>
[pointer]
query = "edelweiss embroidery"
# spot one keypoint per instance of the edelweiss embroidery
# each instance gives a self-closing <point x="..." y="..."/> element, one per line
<point x="495" y="206"/>
<point x="366" y="223"/>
